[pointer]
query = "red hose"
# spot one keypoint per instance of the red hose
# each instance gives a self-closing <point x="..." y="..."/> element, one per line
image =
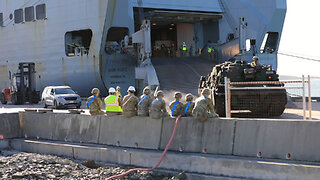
<point x="160" y="160"/>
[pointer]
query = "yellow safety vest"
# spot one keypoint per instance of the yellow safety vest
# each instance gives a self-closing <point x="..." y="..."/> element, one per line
<point x="209" y="49"/>
<point x="254" y="63"/>
<point x="184" y="47"/>
<point x="118" y="93"/>
<point x="112" y="104"/>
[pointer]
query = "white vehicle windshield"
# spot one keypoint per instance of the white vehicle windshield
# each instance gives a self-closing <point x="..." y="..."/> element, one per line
<point x="64" y="91"/>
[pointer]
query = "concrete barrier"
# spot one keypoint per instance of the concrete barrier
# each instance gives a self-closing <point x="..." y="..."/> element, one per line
<point x="9" y="125"/>
<point x="141" y="132"/>
<point x="282" y="139"/>
<point x="62" y="127"/>
<point x="58" y="149"/>
<point x="37" y="125"/>
<point x="4" y="144"/>
<point x="214" y="136"/>
<point x="77" y="128"/>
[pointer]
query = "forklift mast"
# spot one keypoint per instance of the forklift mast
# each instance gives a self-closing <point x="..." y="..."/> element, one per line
<point x="23" y="86"/>
<point x="25" y="79"/>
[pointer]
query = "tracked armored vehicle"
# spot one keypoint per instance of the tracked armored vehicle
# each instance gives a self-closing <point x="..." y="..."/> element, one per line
<point x="257" y="102"/>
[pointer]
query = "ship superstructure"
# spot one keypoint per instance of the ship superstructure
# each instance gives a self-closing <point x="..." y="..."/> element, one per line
<point x="99" y="43"/>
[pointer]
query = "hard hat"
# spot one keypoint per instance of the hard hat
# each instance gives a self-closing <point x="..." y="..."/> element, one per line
<point x="131" y="88"/>
<point x="206" y="91"/>
<point x="112" y="90"/>
<point x="189" y="97"/>
<point x="118" y="87"/>
<point x="255" y="58"/>
<point x="95" y="91"/>
<point x="177" y="95"/>
<point x="146" y="90"/>
<point x="160" y="94"/>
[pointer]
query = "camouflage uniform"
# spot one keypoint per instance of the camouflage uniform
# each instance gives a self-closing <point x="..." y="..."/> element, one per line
<point x="158" y="107"/>
<point x="145" y="102"/>
<point x="202" y="107"/>
<point x="179" y="107"/>
<point x="129" y="105"/>
<point x="95" y="107"/>
<point x="189" y="105"/>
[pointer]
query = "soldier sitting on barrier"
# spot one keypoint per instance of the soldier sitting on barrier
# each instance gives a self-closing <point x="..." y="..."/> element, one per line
<point x="158" y="107"/>
<point x="94" y="103"/>
<point x="203" y="109"/>
<point x="145" y="102"/>
<point x="188" y="107"/>
<point x="176" y="106"/>
<point x="129" y="103"/>
<point x="113" y="103"/>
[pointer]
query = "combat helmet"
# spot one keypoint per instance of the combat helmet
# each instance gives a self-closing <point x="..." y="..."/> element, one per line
<point x="205" y="92"/>
<point x="95" y="91"/>
<point x="160" y="94"/>
<point x="177" y="95"/>
<point x="146" y="90"/>
<point x="189" y="97"/>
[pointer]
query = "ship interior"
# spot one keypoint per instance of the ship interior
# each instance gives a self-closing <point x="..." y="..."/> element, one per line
<point x="170" y="28"/>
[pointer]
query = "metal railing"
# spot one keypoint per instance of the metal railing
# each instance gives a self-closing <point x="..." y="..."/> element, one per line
<point x="301" y="85"/>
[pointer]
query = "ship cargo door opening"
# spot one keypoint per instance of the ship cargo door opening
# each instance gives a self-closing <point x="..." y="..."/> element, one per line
<point x="163" y="39"/>
<point x="171" y="29"/>
<point x="167" y="39"/>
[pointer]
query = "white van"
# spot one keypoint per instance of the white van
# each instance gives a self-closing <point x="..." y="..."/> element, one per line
<point x="60" y="97"/>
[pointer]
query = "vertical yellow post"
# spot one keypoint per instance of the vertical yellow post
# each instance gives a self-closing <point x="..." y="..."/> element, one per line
<point x="309" y="98"/>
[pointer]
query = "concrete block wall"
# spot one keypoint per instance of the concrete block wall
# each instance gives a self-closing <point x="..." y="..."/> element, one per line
<point x="214" y="136"/>
<point x="273" y="138"/>
<point x="9" y="125"/>
<point x="141" y="132"/>
<point x="278" y="138"/>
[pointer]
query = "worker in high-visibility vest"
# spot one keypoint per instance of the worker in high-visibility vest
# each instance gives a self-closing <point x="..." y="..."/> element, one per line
<point x="184" y="49"/>
<point x="112" y="103"/>
<point x="255" y="61"/>
<point x="118" y="93"/>
<point x="210" y="51"/>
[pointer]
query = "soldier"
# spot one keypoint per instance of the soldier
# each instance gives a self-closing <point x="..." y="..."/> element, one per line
<point x="94" y="103"/>
<point x="203" y="106"/>
<point x="176" y="106"/>
<point x="113" y="103"/>
<point x="255" y="62"/>
<point x="129" y="103"/>
<point x="188" y="107"/>
<point x="158" y="107"/>
<point x="145" y="102"/>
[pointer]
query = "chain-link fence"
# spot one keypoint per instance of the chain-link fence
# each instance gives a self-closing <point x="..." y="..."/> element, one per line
<point x="267" y="98"/>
